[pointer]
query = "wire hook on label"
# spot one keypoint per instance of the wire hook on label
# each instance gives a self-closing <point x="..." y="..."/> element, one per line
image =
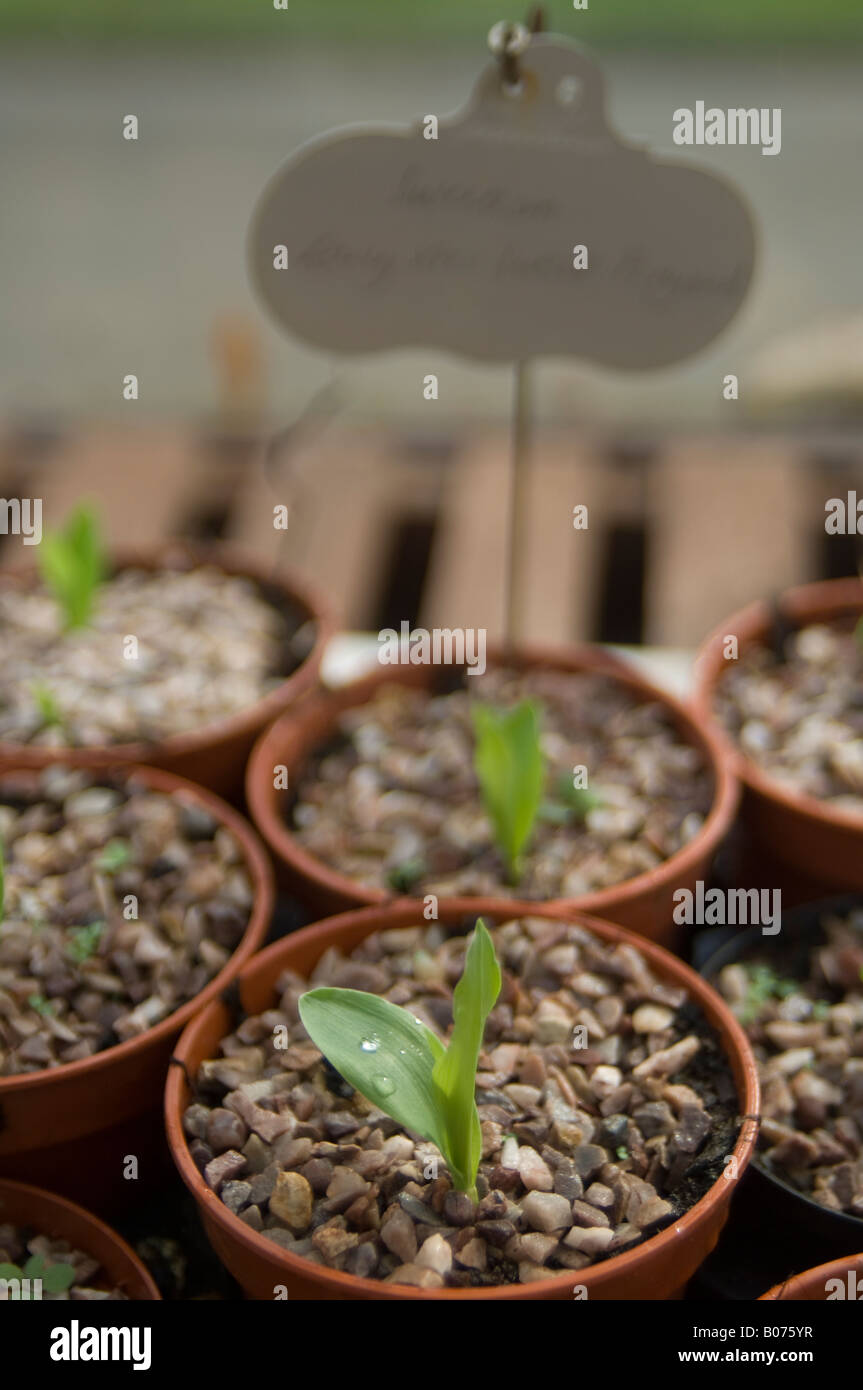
<point x="508" y="42"/>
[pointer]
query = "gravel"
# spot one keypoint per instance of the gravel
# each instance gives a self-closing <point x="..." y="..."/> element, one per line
<point x="397" y="796"/>
<point x="801" y="719"/>
<point x="807" y="1033"/>
<point x="20" y="1244"/>
<point x="569" y="1173"/>
<point x="209" y="645"/>
<point x="121" y="903"/>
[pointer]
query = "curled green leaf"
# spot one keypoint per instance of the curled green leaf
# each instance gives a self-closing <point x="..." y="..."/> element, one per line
<point x="510" y="767"/>
<point x="454" y="1074"/>
<point x="391" y="1058"/>
<point x="72" y="564"/>
<point x="382" y="1050"/>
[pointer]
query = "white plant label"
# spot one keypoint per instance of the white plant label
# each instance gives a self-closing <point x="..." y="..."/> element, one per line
<point x="526" y="227"/>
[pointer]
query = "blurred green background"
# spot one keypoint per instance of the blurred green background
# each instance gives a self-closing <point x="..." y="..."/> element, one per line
<point x="122" y="256"/>
<point x="657" y="23"/>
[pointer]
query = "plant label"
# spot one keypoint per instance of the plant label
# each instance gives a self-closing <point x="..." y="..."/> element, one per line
<point x="522" y="226"/>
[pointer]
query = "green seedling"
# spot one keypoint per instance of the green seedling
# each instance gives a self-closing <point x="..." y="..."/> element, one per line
<point x="56" y="1278"/>
<point x="402" y="1067"/>
<point x="510" y="767"/>
<point x="573" y="803"/>
<point x="763" y="985"/>
<point x="46" y="704"/>
<point x="72" y="565"/>
<point x="40" y="1004"/>
<point x="580" y="800"/>
<point x="405" y="876"/>
<point x="114" y="857"/>
<point x="84" y="941"/>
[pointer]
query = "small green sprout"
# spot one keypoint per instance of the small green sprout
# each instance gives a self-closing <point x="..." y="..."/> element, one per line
<point x="84" y="941"/>
<point x="510" y="766"/>
<point x="820" y="1010"/>
<point x="622" y="1151"/>
<point x="405" y="876"/>
<point x="763" y="985"/>
<point x="580" y="800"/>
<point x="114" y="857"/>
<point x="573" y="803"/>
<point x="72" y="565"/>
<point x="402" y="1067"/>
<point x="40" y="1004"/>
<point x="56" y="1278"/>
<point x="46" y="704"/>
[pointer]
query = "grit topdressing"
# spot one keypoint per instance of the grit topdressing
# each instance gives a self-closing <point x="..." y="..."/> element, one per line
<point x="606" y="1106"/>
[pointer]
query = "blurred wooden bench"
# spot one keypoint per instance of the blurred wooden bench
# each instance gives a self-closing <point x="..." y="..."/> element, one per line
<point x="682" y="530"/>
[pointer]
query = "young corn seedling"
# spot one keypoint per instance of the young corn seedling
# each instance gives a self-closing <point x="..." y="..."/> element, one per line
<point x="403" y="1068"/>
<point x="510" y="765"/>
<point x="73" y="566"/>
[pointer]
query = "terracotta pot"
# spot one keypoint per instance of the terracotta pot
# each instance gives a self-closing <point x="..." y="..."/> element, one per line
<point x="795" y="828"/>
<point x="811" y="1285"/>
<point x="55" y="1216"/>
<point x="773" y="1204"/>
<point x="214" y="756"/>
<point x="644" y="902"/>
<point x="72" y="1127"/>
<point x="657" y="1269"/>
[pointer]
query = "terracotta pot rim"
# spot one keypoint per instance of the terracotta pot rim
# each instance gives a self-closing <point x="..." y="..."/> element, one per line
<point x="827" y="598"/>
<point x="262" y="797"/>
<point x="263" y="890"/>
<point x="323" y="933"/>
<point x="833" y="1269"/>
<point x="53" y="1202"/>
<point x="248" y="720"/>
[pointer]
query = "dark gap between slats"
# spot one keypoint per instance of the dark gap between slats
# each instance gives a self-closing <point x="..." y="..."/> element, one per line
<point x="619" y="615"/>
<point x="837" y="557"/>
<point x="404" y="573"/>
